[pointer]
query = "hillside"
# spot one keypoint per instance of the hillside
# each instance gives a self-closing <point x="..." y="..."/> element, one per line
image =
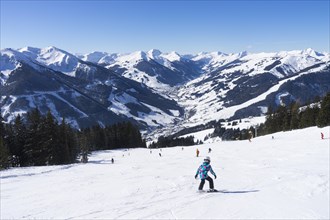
<point x="159" y="92"/>
<point x="282" y="178"/>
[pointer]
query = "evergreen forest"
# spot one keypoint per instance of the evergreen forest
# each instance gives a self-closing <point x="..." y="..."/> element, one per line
<point x="38" y="140"/>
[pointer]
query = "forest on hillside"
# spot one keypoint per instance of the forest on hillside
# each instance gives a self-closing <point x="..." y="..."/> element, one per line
<point x="40" y="140"/>
<point x="281" y="118"/>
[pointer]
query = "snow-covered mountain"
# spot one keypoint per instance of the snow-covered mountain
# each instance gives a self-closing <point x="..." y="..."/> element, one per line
<point x="156" y="89"/>
<point x="157" y="70"/>
<point x="242" y="85"/>
<point x="282" y="178"/>
<point x="57" y="59"/>
<point x="81" y="92"/>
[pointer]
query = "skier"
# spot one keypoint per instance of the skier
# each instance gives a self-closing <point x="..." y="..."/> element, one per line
<point x="250" y="136"/>
<point x="112" y="160"/>
<point x="210" y="150"/>
<point x="322" y="136"/>
<point x="202" y="171"/>
<point x="197" y="152"/>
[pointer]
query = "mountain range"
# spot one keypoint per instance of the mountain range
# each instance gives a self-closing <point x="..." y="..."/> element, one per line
<point x="157" y="90"/>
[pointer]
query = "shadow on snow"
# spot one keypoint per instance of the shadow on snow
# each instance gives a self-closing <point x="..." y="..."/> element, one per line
<point x="239" y="191"/>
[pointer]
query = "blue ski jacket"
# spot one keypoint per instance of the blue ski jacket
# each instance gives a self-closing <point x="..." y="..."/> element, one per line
<point x="204" y="169"/>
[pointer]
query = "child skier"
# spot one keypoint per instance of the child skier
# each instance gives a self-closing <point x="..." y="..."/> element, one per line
<point x="202" y="171"/>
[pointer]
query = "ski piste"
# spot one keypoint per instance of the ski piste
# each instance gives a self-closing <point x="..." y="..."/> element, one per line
<point x="282" y="178"/>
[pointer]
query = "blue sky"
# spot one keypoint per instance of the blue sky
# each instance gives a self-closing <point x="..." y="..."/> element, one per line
<point x="182" y="26"/>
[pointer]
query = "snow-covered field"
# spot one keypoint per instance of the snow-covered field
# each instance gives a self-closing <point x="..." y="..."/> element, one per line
<point x="282" y="178"/>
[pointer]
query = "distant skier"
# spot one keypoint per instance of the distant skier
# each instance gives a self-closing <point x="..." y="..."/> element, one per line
<point x="160" y="154"/>
<point x="197" y="152"/>
<point x="112" y="160"/>
<point x="322" y="136"/>
<point x="210" y="150"/>
<point x="84" y="157"/>
<point x="202" y="171"/>
<point x="250" y="136"/>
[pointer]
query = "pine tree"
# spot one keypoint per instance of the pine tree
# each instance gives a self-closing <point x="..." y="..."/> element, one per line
<point x="308" y="117"/>
<point x="72" y="139"/>
<point x="2" y="128"/>
<point x="270" y="122"/>
<point x="34" y="148"/>
<point x="294" y="124"/>
<point x="4" y="155"/>
<point x="286" y="120"/>
<point x="18" y="140"/>
<point x="4" y="152"/>
<point x="324" y="114"/>
<point x="64" y="143"/>
<point x="49" y="142"/>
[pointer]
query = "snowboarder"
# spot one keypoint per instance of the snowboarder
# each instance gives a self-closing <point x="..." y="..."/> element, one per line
<point x="197" y="152"/>
<point x="202" y="171"/>
<point x="322" y="136"/>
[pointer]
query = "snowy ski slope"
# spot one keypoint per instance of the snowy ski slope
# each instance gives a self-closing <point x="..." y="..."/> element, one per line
<point x="282" y="178"/>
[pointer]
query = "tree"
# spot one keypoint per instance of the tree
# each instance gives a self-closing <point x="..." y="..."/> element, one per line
<point x="34" y="149"/>
<point x="50" y="144"/>
<point x="308" y="117"/>
<point x="294" y="124"/>
<point x="4" y="152"/>
<point x="323" y="118"/>
<point x="4" y="155"/>
<point x="67" y="144"/>
<point x="17" y="141"/>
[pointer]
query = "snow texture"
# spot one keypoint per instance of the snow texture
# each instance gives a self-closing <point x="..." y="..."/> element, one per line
<point x="282" y="178"/>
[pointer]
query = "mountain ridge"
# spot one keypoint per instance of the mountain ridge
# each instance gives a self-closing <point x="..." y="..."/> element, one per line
<point x="159" y="90"/>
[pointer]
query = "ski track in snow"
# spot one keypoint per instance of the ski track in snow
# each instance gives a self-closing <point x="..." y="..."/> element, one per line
<point x="282" y="178"/>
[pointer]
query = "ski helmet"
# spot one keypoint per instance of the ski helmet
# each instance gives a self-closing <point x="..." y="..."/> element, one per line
<point x="207" y="159"/>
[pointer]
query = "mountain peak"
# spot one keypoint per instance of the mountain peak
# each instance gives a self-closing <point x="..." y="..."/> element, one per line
<point x="139" y="55"/>
<point x="154" y="53"/>
<point x="242" y="54"/>
<point x="29" y="49"/>
<point x="311" y="52"/>
<point x="217" y="53"/>
<point x="173" y="56"/>
<point x="93" y="57"/>
<point x="52" y="49"/>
